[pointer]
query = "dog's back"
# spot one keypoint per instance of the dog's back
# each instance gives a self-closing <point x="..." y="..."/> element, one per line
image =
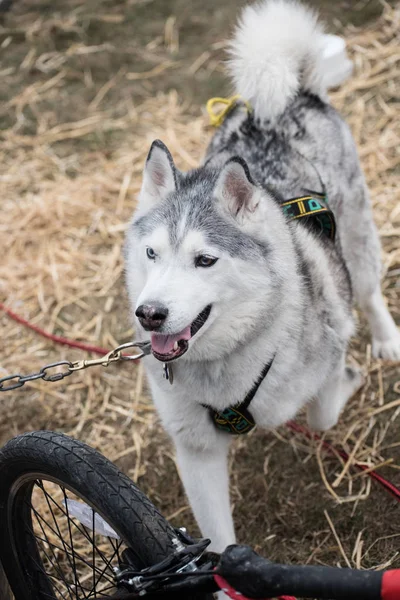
<point x="292" y="139"/>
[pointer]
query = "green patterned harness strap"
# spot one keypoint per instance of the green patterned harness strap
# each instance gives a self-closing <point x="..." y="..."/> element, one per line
<point x="314" y="212"/>
<point x="237" y="419"/>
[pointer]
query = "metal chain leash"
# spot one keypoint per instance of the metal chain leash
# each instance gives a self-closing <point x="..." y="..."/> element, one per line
<point x="45" y="373"/>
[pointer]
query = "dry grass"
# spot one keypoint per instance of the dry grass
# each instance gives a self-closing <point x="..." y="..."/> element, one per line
<point x="64" y="212"/>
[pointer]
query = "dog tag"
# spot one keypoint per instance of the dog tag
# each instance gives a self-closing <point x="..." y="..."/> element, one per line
<point x="168" y="373"/>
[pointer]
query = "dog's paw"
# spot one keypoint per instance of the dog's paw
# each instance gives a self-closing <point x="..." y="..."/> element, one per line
<point x="389" y="349"/>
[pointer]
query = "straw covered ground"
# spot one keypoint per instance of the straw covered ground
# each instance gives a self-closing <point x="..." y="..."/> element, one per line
<point x="80" y="106"/>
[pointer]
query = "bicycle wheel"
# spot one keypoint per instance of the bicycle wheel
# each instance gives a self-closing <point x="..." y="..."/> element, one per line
<point x="49" y="554"/>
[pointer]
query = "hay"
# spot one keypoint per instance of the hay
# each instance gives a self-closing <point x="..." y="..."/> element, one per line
<point x="65" y="209"/>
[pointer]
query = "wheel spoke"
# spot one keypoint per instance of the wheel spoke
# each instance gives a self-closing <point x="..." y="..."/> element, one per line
<point x="106" y="589"/>
<point x="67" y="547"/>
<point x="73" y="570"/>
<point x="72" y="542"/>
<point x="58" y="567"/>
<point x="117" y="546"/>
<point x="40" y="567"/>
<point x="58" y="548"/>
<point x="100" y="576"/>
<point x="71" y="562"/>
<point x="86" y="534"/>
<point x="83" y="531"/>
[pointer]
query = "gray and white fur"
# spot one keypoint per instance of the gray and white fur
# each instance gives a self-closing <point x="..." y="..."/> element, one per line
<point x="277" y="289"/>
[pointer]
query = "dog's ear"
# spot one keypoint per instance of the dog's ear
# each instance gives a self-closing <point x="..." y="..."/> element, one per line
<point x="159" y="176"/>
<point x="235" y="188"/>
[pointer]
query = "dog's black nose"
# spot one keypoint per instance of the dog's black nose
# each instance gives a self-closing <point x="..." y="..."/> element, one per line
<point x="151" y="316"/>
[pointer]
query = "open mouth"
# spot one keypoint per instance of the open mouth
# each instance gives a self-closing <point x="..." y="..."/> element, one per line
<point x="169" y="347"/>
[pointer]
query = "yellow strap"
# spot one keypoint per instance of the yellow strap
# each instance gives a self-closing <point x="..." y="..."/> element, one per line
<point x="296" y="200"/>
<point x="217" y="118"/>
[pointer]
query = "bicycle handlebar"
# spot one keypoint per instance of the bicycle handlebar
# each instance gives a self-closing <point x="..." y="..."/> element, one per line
<point x="256" y="577"/>
<point x="244" y="575"/>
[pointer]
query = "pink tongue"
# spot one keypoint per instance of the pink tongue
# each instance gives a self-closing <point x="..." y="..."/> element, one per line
<point x="164" y="344"/>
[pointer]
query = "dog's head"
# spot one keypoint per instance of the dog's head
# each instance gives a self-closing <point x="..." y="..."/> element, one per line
<point x="202" y="264"/>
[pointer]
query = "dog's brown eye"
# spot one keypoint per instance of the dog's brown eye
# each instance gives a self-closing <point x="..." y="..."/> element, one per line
<point x="205" y="261"/>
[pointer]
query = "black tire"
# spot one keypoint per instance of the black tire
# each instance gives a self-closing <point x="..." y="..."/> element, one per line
<point x="48" y="456"/>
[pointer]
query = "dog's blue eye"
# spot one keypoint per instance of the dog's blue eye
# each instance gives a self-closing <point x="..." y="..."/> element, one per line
<point x="150" y="253"/>
<point x="205" y="261"/>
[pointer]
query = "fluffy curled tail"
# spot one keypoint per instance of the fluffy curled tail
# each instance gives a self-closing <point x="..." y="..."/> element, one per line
<point x="275" y="53"/>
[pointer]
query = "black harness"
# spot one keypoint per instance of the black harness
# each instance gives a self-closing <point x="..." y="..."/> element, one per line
<point x="311" y="210"/>
<point x="238" y="419"/>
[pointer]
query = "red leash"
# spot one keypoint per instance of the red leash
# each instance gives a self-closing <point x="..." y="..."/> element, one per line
<point x="390" y="487"/>
<point x="54" y="338"/>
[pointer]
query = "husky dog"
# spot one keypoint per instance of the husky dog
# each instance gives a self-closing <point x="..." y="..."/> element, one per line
<point x="224" y="283"/>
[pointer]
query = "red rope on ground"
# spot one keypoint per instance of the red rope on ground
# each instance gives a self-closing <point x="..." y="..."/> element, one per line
<point x="390" y="487"/>
<point x="54" y="338"/>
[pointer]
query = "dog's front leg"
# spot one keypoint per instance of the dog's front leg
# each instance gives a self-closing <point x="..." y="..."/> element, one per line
<point x="205" y="477"/>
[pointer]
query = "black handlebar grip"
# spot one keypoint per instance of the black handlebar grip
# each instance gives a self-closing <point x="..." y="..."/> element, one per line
<point x="256" y="577"/>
